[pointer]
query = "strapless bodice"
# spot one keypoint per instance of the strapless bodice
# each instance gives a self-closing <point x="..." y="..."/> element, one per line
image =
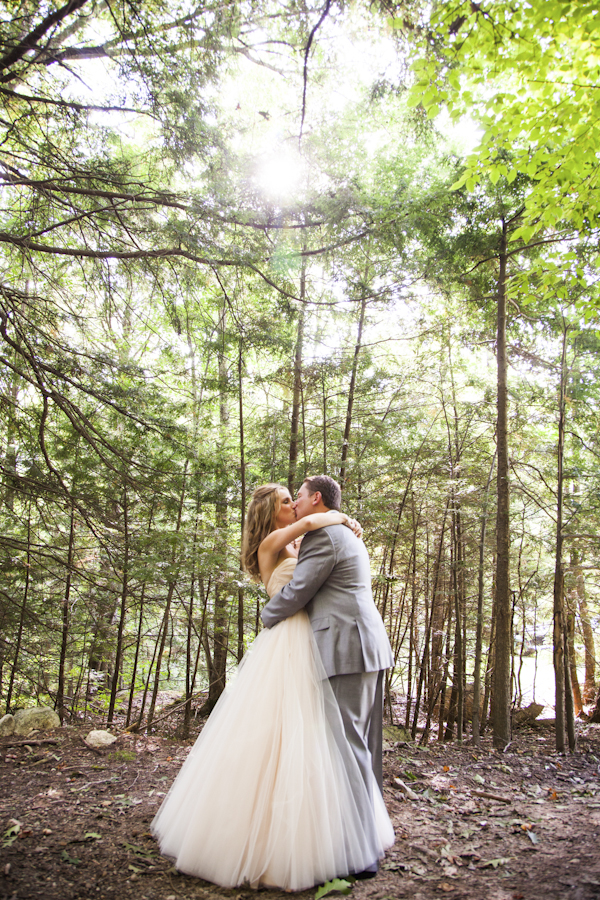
<point x="282" y="573"/>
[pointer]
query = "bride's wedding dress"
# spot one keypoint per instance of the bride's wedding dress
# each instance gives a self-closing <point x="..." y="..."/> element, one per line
<point x="270" y="794"/>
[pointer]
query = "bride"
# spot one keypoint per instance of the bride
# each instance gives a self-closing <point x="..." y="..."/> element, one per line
<point x="265" y="797"/>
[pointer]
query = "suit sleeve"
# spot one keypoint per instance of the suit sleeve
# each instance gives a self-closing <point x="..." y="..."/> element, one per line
<point x="316" y="561"/>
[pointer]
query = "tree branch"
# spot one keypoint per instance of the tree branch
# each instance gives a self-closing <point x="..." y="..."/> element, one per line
<point x="30" y="41"/>
<point x="305" y="71"/>
<point x="65" y="104"/>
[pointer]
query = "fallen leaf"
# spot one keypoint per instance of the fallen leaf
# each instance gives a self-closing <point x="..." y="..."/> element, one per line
<point x="408" y="792"/>
<point x="11" y="833"/>
<point x="338" y="885"/>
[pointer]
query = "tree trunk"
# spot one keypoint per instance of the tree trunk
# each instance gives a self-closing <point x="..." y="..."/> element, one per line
<point x="324" y="404"/>
<point x="577" y="700"/>
<point x="60" y="694"/>
<point x="189" y="674"/>
<point x="165" y="622"/>
<point x="13" y="671"/>
<point x="476" y="724"/>
<point x="222" y="588"/>
<point x="457" y="579"/>
<point x="562" y="678"/>
<point x="423" y="671"/>
<point x="240" y="622"/>
<point x="138" y="642"/>
<point x="351" y="390"/>
<point x="297" y="390"/>
<point x="589" y="686"/>
<point x="123" y="608"/>
<point x="501" y="696"/>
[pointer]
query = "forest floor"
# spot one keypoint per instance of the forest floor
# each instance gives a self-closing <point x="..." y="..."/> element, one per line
<point x="482" y="825"/>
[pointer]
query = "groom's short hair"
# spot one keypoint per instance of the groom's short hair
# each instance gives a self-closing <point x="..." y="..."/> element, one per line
<point x="331" y="492"/>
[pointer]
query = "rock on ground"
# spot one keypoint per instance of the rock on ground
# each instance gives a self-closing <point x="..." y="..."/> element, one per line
<point x="7" y="725"/>
<point x="99" y="739"/>
<point x="36" y="718"/>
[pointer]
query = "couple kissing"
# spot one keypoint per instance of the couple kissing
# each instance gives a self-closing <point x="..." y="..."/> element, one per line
<point x="283" y="787"/>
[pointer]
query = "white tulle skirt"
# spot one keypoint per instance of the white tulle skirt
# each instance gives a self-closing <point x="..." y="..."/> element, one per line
<point x="270" y="793"/>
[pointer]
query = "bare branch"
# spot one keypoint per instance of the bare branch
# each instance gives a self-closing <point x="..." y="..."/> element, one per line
<point x="30" y="41"/>
<point x="305" y="72"/>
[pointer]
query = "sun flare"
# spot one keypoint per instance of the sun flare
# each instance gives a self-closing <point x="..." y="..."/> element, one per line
<point x="281" y="174"/>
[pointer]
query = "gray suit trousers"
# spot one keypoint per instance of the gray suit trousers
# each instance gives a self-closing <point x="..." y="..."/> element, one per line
<point x="360" y="699"/>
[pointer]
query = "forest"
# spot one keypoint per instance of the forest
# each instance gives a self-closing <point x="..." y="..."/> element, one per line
<point x="252" y="241"/>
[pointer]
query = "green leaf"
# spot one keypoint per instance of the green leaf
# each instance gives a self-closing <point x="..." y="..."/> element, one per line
<point x="11" y="833"/>
<point x="338" y="885"/>
<point x="69" y="859"/>
<point x="461" y="181"/>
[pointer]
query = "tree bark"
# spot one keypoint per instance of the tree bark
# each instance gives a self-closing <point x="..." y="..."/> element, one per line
<point x="123" y="608"/>
<point x="351" y="390"/>
<point x="570" y="622"/>
<point x="501" y="695"/>
<point x="240" y="621"/>
<point x="423" y="671"/>
<point x="297" y="389"/>
<point x="476" y="723"/>
<point x="13" y="671"/>
<point x="562" y="679"/>
<point x="222" y="588"/>
<point x="60" y="694"/>
<point x="457" y="584"/>
<point x="165" y="622"/>
<point x="589" y="686"/>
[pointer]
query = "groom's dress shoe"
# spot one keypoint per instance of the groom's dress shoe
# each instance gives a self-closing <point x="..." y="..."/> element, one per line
<point x="367" y="873"/>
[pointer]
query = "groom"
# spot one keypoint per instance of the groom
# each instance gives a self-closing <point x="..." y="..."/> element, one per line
<point x="332" y="581"/>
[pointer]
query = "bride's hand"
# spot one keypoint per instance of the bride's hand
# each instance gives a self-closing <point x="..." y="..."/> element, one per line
<point x="321" y="520"/>
<point x="354" y="525"/>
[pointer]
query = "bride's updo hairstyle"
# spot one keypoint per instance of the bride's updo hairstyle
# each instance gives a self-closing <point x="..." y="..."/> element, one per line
<point x="260" y="521"/>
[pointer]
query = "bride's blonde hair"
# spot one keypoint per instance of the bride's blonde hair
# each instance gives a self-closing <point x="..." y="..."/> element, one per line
<point x="260" y="521"/>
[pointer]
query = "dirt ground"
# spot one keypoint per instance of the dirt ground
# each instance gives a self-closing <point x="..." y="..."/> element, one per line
<point x="477" y="825"/>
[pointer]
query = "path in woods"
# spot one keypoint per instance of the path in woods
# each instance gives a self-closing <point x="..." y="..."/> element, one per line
<point x="519" y="825"/>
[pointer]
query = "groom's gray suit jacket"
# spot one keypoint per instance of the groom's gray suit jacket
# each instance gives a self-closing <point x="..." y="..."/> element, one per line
<point x="332" y="581"/>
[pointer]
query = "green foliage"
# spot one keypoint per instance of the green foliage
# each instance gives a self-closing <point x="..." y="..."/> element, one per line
<point x="526" y="73"/>
<point x="151" y="292"/>
<point x="337" y="886"/>
<point x="122" y="756"/>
